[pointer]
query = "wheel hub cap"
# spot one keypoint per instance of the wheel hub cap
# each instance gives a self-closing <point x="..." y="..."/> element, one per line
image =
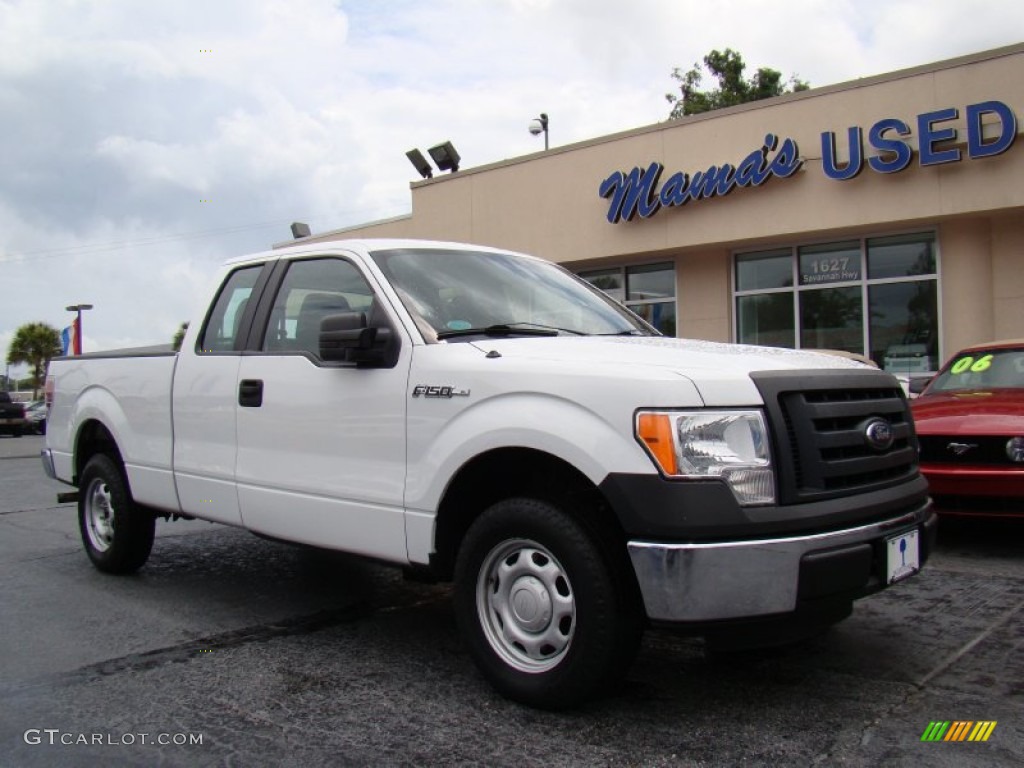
<point x="526" y="605"/>
<point x="531" y="604"/>
<point x="100" y="516"/>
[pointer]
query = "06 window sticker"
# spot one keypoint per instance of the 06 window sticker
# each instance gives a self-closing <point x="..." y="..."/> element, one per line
<point x="968" y="364"/>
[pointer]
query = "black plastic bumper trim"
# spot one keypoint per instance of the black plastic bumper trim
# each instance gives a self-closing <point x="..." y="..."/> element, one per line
<point x="653" y="508"/>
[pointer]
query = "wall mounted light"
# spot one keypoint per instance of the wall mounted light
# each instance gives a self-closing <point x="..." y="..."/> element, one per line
<point x="419" y="162"/>
<point x="445" y="157"/>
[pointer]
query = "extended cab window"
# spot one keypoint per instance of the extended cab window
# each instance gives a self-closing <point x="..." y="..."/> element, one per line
<point x="311" y="290"/>
<point x="223" y="324"/>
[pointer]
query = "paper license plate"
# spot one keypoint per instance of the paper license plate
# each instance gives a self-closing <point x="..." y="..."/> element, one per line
<point x="903" y="559"/>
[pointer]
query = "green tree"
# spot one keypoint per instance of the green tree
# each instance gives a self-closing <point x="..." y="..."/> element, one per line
<point x="35" y="344"/>
<point x="727" y="68"/>
<point x="179" y="336"/>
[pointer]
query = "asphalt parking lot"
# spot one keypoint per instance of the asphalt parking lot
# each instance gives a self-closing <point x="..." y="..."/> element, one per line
<point x="268" y="654"/>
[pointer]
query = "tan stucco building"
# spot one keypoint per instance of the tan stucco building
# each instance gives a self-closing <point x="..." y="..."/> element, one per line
<point x="917" y="254"/>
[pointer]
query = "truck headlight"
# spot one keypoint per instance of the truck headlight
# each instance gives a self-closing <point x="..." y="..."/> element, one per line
<point x="731" y="445"/>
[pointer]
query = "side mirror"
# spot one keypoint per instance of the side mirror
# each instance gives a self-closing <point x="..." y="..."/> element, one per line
<point x="348" y="337"/>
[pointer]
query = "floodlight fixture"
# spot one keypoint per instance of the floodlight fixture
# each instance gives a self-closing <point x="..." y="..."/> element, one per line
<point x="445" y="157"/>
<point x="419" y="162"/>
<point x="540" y="125"/>
<point x="300" y="230"/>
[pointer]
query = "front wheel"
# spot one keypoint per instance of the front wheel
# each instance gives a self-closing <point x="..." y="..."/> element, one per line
<point x="117" y="535"/>
<point x="544" y="604"/>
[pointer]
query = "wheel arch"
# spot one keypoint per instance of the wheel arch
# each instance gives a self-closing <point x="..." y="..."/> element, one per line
<point x="94" y="437"/>
<point x="511" y="472"/>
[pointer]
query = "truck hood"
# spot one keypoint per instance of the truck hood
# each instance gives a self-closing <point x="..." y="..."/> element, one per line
<point x="970" y="412"/>
<point x="719" y="371"/>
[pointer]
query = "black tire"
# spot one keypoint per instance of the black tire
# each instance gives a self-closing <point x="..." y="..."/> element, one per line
<point x="566" y="620"/>
<point x="117" y="535"/>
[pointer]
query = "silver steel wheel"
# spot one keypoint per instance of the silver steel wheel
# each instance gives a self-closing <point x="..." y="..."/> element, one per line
<point x="99" y="515"/>
<point x="526" y="605"/>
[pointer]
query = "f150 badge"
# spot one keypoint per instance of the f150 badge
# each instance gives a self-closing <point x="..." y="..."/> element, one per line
<point x="430" y="390"/>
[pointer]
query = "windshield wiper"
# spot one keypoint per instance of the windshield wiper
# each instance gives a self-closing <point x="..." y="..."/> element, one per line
<point x="573" y="331"/>
<point x="501" y="329"/>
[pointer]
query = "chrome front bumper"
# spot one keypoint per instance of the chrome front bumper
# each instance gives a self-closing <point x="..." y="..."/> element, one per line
<point x="742" y="579"/>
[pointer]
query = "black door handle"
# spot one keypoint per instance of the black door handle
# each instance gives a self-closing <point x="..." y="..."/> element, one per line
<point x="250" y="393"/>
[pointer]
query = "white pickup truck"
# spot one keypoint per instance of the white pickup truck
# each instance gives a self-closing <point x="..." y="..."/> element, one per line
<point x="486" y="417"/>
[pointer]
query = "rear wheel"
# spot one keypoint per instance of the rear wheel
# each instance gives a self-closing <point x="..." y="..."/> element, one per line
<point x="117" y="535"/>
<point x="544" y="604"/>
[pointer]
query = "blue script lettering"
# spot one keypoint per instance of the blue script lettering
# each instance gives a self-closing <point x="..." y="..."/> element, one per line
<point x="635" y="193"/>
<point x="632" y="193"/>
<point x="675" y="189"/>
<point x="786" y="161"/>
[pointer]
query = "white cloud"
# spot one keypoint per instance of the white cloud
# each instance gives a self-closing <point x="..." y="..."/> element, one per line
<point x="121" y="116"/>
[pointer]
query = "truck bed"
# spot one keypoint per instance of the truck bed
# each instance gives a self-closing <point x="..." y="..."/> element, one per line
<point x="130" y="392"/>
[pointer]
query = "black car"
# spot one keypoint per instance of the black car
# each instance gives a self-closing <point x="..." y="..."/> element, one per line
<point x="12" y="416"/>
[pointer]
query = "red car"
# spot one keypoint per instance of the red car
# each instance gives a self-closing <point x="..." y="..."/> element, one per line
<point x="970" y="425"/>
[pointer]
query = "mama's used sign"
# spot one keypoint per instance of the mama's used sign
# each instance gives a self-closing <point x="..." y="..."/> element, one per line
<point x="638" y="192"/>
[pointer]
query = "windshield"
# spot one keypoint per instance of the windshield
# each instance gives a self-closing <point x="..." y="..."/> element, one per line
<point x="982" y="369"/>
<point x="455" y="293"/>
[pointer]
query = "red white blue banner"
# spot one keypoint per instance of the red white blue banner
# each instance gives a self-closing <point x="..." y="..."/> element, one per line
<point x="71" y="339"/>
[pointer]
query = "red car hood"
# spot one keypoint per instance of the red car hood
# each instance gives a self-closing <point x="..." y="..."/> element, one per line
<point x="970" y="412"/>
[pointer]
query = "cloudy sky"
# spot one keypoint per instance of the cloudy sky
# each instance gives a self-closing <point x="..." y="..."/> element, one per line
<point x="143" y="143"/>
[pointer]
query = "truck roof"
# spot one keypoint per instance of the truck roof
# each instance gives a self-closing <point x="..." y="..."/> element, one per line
<point x="364" y="245"/>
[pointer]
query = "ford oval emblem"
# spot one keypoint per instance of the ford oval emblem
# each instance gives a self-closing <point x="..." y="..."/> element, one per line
<point x="878" y="434"/>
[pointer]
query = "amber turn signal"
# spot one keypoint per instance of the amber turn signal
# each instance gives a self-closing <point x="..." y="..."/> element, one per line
<point x="655" y="429"/>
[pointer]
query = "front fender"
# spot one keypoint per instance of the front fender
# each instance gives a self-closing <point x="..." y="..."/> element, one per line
<point x="543" y="422"/>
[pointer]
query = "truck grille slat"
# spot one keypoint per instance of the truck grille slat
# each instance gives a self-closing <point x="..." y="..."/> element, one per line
<point x="864" y="465"/>
<point x="847" y="408"/>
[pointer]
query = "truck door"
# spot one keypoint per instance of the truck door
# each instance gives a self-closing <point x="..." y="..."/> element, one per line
<point x="321" y="445"/>
<point x="203" y="402"/>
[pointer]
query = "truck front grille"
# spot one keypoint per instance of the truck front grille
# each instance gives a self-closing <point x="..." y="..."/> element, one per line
<point x="819" y="423"/>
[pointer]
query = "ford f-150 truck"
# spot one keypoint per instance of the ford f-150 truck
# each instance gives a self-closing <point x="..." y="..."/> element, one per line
<point x="486" y="417"/>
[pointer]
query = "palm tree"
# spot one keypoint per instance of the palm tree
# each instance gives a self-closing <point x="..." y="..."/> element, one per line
<point x="35" y="344"/>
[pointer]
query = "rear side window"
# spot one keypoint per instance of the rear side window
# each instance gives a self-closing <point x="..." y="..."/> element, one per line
<point x="223" y="324"/>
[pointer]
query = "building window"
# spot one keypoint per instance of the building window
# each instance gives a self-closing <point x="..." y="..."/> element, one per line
<point x="877" y="296"/>
<point x="648" y="290"/>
